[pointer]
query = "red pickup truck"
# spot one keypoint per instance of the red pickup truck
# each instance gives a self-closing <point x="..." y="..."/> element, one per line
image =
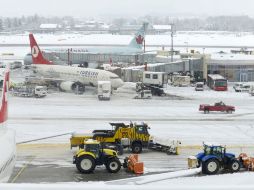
<point x="219" y="106"/>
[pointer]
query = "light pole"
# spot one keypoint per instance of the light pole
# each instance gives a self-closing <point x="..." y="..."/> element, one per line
<point x="172" y="44"/>
<point x="187" y="44"/>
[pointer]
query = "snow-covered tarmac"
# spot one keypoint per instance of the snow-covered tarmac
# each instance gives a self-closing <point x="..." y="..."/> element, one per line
<point x="170" y="118"/>
<point x="60" y="113"/>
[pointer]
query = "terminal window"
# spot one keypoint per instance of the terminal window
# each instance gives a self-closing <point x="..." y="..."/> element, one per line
<point x="147" y="76"/>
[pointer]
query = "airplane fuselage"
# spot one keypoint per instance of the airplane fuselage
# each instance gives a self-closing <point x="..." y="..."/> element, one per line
<point x="8" y="153"/>
<point x="86" y="76"/>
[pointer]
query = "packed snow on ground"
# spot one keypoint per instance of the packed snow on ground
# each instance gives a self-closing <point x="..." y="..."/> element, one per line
<point x="171" y="119"/>
<point x="168" y="118"/>
<point x="245" y="178"/>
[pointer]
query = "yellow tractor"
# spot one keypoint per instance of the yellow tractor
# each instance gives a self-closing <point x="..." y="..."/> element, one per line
<point x="92" y="155"/>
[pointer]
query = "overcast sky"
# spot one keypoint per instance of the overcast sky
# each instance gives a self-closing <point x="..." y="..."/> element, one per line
<point x="94" y="8"/>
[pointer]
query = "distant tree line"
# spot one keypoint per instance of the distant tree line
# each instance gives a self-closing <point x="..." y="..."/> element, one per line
<point x="32" y="22"/>
<point x="216" y="23"/>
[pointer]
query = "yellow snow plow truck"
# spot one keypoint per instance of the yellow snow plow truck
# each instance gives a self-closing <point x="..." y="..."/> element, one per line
<point x="132" y="136"/>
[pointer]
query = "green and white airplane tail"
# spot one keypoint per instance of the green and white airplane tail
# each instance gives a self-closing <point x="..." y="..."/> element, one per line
<point x="137" y="41"/>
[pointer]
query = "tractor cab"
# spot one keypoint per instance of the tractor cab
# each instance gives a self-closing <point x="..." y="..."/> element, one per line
<point x="214" y="150"/>
<point x="215" y="158"/>
<point x="93" y="147"/>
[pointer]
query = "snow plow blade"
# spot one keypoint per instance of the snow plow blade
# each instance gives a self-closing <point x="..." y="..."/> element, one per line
<point x="133" y="165"/>
<point x="170" y="149"/>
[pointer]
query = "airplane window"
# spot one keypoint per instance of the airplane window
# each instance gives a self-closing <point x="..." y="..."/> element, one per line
<point x="114" y="77"/>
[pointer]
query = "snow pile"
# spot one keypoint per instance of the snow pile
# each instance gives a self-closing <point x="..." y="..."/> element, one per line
<point x="149" y="179"/>
<point x="219" y="180"/>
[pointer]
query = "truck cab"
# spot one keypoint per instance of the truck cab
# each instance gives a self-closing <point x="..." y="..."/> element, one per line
<point x="199" y="86"/>
<point x="40" y="91"/>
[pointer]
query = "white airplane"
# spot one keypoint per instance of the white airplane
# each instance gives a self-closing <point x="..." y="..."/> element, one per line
<point x="69" y="78"/>
<point x="133" y="48"/>
<point x="7" y="136"/>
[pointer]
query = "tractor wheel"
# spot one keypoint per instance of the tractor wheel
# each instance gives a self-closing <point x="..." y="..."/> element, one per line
<point x="136" y="148"/>
<point x="206" y="111"/>
<point x="85" y="164"/>
<point x="210" y="167"/>
<point x="113" y="165"/>
<point x="234" y="165"/>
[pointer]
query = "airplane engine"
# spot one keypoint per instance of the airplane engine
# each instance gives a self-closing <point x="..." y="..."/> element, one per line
<point x="76" y="87"/>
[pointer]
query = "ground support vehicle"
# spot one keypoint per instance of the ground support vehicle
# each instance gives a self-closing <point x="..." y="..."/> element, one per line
<point x="217" y="82"/>
<point x="179" y="80"/>
<point x="246" y="161"/>
<point x="133" y="136"/>
<point x="172" y="149"/>
<point x="215" y="158"/>
<point x="241" y="87"/>
<point x="144" y="94"/>
<point x="30" y="91"/>
<point x="92" y="155"/>
<point x="104" y="90"/>
<point x="155" y="90"/>
<point x="219" y="106"/>
<point x="132" y="164"/>
<point x="154" y="78"/>
<point x="251" y="90"/>
<point x="199" y="86"/>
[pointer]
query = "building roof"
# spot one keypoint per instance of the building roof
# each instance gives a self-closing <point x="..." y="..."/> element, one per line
<point x="231" y="56"/>
<point x="231" y="59"/>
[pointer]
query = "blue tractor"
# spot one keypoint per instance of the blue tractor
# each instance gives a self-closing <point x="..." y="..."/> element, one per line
<point x="215" y="158"/>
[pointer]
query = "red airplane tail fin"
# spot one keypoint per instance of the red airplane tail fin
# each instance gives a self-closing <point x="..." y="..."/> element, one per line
<point x="4" y="99"/>
<point x="36" y="52"/>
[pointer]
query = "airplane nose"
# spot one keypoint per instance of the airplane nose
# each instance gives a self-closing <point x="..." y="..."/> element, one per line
<point x="120" y="82"/>
<point x="117" y="83"/>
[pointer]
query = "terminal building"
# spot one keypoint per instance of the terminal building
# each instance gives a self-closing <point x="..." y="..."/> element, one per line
<point x="235" y="66"/>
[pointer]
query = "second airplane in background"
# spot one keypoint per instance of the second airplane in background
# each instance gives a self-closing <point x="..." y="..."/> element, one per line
<point x="69" y="78"/>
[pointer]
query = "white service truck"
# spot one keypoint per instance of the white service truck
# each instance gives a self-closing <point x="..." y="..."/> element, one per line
<point x="154" y="78"/>
<point x="104" y="90"/>
<point x="179" y="80"/>
<point x="30" y="91"/>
